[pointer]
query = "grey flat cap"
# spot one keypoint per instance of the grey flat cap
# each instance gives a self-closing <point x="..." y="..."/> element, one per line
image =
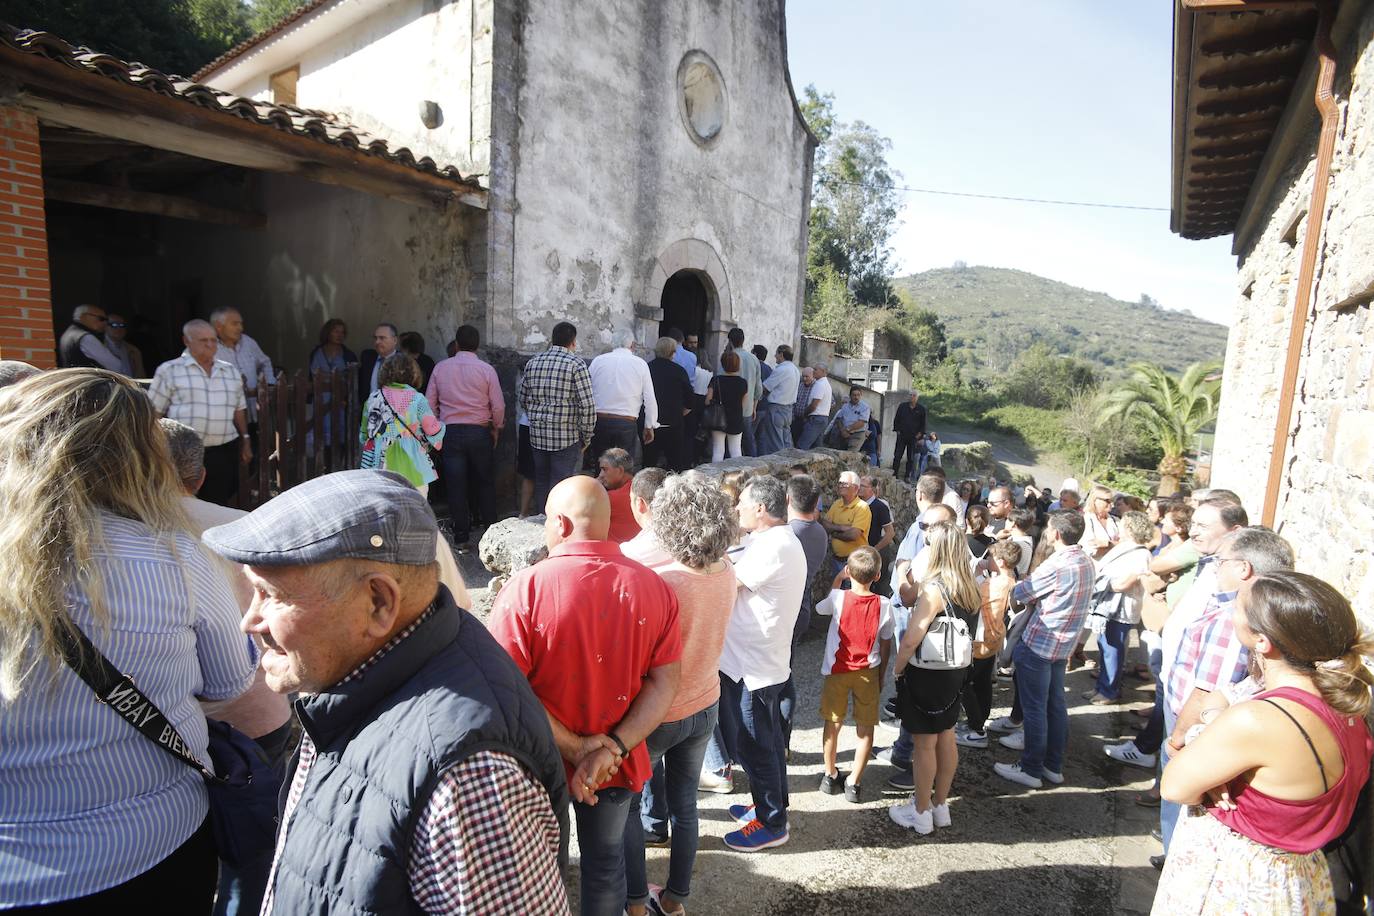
<point x="366" y="515"/>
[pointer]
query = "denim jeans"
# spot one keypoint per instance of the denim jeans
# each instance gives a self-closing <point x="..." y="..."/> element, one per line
<point x="1152" y="735"/>
<point x="676" y="749"/>
<point x="751" y="722"/>
<point x="601" y="839"/>
<point x="1046" y="722"/>
<point x="1113" y="643"/>
<point x="468" y="463"/>
<point x="1168" y="811"/>
<point x="751" y="448"/>
<point x="550" y="468"/>
<point x="717" y="756"/>
<point x="775" y="433"/>
<point x="615" y="432"/>
<point x="811" y="431"/>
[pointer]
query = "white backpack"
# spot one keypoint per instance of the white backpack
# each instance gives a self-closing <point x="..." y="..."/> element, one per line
<point x="947" y="645"/>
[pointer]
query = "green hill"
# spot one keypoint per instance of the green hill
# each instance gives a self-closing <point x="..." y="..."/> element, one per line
<point x="992" y="314"/>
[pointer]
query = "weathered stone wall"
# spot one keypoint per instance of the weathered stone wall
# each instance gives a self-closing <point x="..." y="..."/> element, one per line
<point x="608" y="176"/>
<point x="1326" y="507"/>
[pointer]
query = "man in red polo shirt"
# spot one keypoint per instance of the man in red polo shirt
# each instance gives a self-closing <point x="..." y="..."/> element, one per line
<point x="617" y="470"/>
<point x="597" y="635"/>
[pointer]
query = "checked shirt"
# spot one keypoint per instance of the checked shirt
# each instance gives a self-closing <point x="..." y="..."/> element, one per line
<point x="556" y="395"/>
<point x="1211" y="655"/>
<point x="1062" y="586"/>
<point x="183" y="391"/>
<point x="486" y="842"/>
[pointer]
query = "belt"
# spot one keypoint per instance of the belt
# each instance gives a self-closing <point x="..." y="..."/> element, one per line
<point x="615" y="416"/>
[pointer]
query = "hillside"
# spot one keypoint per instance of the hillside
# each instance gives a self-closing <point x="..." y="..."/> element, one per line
<point x="991" y="314"/>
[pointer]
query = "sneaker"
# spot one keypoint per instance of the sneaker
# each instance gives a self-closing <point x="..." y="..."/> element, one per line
<point x="960" y="728"/>
<point x="1157" y="862"/>
<point x="1098" y="699"/>
<point x="742" y="814"/>
<point x="1016" y="741"/>
<point x="939" y="815"/>
<point x="1051" y="776"/>
<point x="1007" y="673"/>
<point x="853" y="793"/>
<point x="1128" y="753"/>
<point x="656" y="840"/>
<point x="971" y="739"/>
<point x="1012" y="772"/>
<point x="1003" y="724"/>
<point x="885" y="755"/>
<point x="754" y="837"/>
<point x="906" y="815"/>
<point x="892" y="725"/>
<point x="656" y="903"/>
<point x="710" y="781"/>
<point x="833" y="785"/>
<point x="902" y="782"/>
<point x="890" y="707"/>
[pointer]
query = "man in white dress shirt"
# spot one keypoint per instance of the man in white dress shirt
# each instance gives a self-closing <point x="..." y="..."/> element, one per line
<point x="243" y="352"/>
<point x="621" y="385"/>
<point x="780" y="393"/>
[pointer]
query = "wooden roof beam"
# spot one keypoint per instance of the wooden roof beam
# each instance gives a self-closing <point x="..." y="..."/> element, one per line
<point x="111" y="198"/>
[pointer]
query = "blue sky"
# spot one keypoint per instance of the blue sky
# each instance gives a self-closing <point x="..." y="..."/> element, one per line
<point x="1062" y="99"/>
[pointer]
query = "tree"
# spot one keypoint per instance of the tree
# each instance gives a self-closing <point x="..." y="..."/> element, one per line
<point x="831" y="312"/>
<point x="1171" y="410"/>
<point x="267" y="13"/>
<point x="1042" y="378"/>
<point x="853" y="203"/>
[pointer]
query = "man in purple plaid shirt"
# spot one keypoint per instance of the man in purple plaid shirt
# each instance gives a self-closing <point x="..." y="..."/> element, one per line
<point x="1059" y="594"/>
<point x="556" y="395"/>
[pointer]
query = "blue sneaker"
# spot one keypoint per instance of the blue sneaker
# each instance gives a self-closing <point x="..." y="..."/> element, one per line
<point x="755" y="836"/>
<point x="742" y="814"/>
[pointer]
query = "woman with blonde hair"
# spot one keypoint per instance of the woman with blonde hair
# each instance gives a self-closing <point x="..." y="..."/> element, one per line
<point x="1277" y="777"/>
<point x="928" y="698"/>
<point x="96" y="818"/>
<point x="1101" y="529"/>
<point x="399" y="430"/>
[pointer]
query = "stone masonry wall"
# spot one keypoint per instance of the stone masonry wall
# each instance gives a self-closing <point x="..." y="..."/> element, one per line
<point x="1326" y="506"/>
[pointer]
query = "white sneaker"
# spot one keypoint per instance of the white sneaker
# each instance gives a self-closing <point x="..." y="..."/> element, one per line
<point x="1016" y="741"/>
<point x="906" y="815"/>
<point x="714" y="782"/>
<point x="939" y="815"/>
<point x="1051" y="776"/>
<point x="1130" y="754"/>
<point x="1012" y="772"/>
<point x="971" y="739"/>
<point x="1003" y="724"/>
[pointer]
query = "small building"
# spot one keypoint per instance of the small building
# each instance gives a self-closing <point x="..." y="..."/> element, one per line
<point x="1273" y="145"/>
<point x="619" y="164"/>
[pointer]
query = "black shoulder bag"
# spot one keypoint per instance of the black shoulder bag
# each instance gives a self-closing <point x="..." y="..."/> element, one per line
<point x="243" y="800"/>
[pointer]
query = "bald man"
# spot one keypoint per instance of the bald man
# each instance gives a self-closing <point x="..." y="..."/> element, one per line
<point x="597" y="635"/>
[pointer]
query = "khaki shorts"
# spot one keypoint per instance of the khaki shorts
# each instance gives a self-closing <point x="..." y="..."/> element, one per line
<point x="864" y="687"/>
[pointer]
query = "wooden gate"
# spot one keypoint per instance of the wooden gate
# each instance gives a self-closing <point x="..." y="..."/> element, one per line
<point x="307" y="426"/>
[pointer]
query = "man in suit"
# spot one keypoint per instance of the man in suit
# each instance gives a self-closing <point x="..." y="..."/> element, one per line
<point x="673" y="394"/>
<point x="384" y="340"/>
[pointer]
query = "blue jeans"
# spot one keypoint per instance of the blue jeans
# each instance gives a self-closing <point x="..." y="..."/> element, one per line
<point x="241" y="889"/>
<point x="552" y="467"/>
<point x="1046" y="723"/>
<point x="811" y="431"/>
<point x="717" y="758"/>
<point x="1168" y="811"/>
<point x="676" y="750"/>
<point x="775" y="433"/>
<point x="1152" y="735"/>
<point x="468" y="462"/>
<point x="601" y="838"/>
<point x="1113" y="643"/>
<point x="750" y="447"/>
<point x="751" y="721"/>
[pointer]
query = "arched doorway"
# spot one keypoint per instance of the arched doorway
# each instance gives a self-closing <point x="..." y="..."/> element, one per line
<point x="686" y="305"/>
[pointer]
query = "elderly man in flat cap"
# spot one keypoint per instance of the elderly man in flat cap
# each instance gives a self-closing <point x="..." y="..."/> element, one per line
<point x="427" y="778"/>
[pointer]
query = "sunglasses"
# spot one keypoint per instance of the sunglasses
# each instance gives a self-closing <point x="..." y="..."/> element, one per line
<point x="116" y="324"/>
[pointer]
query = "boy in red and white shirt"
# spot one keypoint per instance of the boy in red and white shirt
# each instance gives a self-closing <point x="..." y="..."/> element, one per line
<point x="856" y="654"/>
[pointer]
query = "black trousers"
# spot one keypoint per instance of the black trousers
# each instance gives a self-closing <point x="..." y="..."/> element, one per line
<point x="977" y="695"/>
<point x="667" y="447"/>
<point x="221" y="474"/>
<point x="469" y="468"/>
<point x="614" y="432"/>
<point x="184" y="882"/>
<point x="910" y="445"/>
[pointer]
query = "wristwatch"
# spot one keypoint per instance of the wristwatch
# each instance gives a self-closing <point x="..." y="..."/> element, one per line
<point x="624" y="751"/>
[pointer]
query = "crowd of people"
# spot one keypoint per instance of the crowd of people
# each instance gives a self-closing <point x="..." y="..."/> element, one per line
<point x="426" y="761"/>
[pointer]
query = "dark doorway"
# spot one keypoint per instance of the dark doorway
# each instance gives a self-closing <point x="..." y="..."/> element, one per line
<point x="685" y="305"/>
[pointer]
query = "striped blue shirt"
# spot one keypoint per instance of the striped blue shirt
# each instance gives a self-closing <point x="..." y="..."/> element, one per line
<point x="86" y="802"/>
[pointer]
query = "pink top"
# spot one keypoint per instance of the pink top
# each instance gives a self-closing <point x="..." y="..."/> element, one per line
<point x="463" y="389"/>
<point x="1304" y="826"/>
<point x="704" y="604"/>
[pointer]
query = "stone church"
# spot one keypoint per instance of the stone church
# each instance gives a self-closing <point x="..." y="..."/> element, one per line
<point x="503" y="163"/>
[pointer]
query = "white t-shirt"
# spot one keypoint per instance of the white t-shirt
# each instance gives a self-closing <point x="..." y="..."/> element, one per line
<point x="644" y="548"/>
<point x="820" y="389"/>
<point x="1125" y="560"/>
<point x="1027" y="548"/>
<point x="769" y="567"/>
<point x="833" y="606"/>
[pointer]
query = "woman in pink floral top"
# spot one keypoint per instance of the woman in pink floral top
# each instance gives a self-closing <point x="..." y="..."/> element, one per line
<point x="399" y="430"/>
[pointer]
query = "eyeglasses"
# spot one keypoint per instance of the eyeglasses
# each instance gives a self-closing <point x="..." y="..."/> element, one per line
<point x="117" y="324"/>
<point x="1221" y="560"/>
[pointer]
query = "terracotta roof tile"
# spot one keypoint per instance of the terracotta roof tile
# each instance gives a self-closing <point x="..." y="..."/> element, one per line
<point x="318" y="125"/>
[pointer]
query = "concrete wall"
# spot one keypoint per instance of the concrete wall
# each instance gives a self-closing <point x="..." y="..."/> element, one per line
<point x="606" y="175"/>
<point x="334" y="253"/>
<point x="375" y="73"/>
<point x="1326" y="507"/>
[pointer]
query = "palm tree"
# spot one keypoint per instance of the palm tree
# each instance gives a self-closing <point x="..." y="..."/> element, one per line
<point x="1171" y="410"/>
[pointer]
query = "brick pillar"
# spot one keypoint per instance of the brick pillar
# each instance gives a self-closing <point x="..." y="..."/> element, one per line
<point x="26" y="325"/>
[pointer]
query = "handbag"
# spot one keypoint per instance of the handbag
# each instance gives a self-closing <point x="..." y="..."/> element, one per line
<point x="713" y="414"/>
<point x="243" y="797"/>
<point x="1014" y="631"/>
<point x="947" y="645"/>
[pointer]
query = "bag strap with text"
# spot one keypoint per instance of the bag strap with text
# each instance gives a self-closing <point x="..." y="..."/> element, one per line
<point x="118" y="691"/>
